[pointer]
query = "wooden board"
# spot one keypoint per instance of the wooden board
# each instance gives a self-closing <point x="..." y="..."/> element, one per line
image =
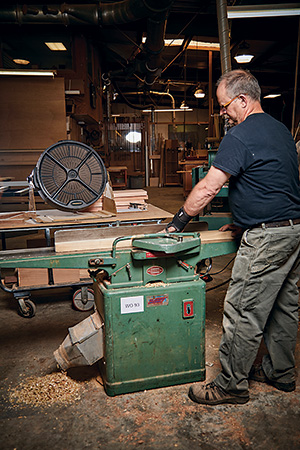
<point x="153" y="213"/>
<point x="122" y="200"/>
<point x="89" y="239"/>
<point x="97" y="239"/>
<point x="213" y="236"/>
<point x="55" y="215"/>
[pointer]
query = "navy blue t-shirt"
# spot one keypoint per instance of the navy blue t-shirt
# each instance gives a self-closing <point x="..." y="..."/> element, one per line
<point x="261" y="157"/>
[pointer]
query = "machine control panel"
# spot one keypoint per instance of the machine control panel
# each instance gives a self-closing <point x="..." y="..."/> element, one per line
<point x="188" y="309"/>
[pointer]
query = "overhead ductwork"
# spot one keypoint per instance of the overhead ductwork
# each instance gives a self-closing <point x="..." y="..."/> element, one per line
<point x="223" y="28"/>
<point x="104" y="14"/>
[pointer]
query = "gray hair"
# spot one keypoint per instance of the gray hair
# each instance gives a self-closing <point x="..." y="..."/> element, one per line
<point x="240" y="82"/>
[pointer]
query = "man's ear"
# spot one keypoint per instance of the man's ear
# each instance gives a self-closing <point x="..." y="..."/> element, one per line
<point x="244" y="100"/>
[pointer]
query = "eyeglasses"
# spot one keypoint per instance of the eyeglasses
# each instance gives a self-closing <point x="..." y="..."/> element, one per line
<point x="229" y="103"/>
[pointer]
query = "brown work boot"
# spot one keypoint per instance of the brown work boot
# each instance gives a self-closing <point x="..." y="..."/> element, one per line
<point x="211" y="394"/>
<point x="257" y="374"/>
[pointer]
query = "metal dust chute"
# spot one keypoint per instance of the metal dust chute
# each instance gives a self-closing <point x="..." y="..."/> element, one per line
<point x="70" y="176"/>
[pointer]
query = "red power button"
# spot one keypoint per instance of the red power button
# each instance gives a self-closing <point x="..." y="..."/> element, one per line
<point x="188" y="309"/>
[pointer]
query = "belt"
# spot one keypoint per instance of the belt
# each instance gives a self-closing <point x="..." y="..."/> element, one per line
<point x="282" y="223"/>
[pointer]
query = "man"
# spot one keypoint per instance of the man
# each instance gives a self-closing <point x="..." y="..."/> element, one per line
<point x="258" y="156"/>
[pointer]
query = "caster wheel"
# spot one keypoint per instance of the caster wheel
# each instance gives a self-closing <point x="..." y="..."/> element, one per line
<point x="26" y="308"/>
<point x="83" y="299"/>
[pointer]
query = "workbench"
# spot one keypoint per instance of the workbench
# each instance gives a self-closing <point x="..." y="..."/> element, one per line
<point x="52" y="219"/>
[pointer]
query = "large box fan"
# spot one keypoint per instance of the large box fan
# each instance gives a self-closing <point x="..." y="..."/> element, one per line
<point x="70" y="175"/>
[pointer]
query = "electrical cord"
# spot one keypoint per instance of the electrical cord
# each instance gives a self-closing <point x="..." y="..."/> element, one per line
<point x="219" y="285"/>
<point x="222" y="270"/>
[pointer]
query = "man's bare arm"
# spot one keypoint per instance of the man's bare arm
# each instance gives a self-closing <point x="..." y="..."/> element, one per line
<point x="201" y="195"/>
<point x="205" y="191"/>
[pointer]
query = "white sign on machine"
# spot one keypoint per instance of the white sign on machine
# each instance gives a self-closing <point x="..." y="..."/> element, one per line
<point x="132" y="304"/>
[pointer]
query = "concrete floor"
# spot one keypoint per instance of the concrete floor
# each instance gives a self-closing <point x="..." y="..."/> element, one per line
<point x="156" y="419"/>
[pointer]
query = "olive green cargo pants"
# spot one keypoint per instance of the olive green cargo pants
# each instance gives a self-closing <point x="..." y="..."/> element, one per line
<point x="261" y="301"/>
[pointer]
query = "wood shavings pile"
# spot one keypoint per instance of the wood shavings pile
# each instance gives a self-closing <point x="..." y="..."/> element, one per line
<point x="52" y="389"/>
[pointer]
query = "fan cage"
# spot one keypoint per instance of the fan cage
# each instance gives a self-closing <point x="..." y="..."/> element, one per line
<point x="70" y="175"/>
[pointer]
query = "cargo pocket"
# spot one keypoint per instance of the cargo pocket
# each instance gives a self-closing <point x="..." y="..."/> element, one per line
<point x="281" y="248"/>
<point x="250" y="295"/>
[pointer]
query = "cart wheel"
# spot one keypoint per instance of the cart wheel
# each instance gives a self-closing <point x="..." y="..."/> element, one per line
<point x="26" y="308"/>
<point x="83" y="299"/>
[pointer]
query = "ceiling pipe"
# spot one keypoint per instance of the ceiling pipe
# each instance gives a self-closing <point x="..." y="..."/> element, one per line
<point x="131" y="10"/>
<point x="154" y="45"/>
<point x="90" y="14"/>
<point x="157" y="93"/>
<point x="223" y="29"/>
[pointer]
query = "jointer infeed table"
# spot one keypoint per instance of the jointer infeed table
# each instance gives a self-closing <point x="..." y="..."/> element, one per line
<point x="151" y="301"/>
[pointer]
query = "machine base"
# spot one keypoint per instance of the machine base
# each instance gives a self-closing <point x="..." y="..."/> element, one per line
<point x="154" y="335"/>
<point x="160" y="381"/>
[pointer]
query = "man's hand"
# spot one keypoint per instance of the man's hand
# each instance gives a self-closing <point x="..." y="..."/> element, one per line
<point x="179" y="221"/>
<point x="169" y="230"/>
<point x="236" y="231"/>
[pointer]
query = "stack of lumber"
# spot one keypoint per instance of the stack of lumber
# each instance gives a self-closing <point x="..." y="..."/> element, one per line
<point x="126" y="200"/>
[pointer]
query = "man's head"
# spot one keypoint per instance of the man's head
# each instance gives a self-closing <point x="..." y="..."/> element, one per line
<point x="238" y="94"/>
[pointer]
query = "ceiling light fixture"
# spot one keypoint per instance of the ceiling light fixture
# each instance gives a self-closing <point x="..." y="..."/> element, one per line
<point x="167" y="110"/>
<point x="272" y="96"/>
<point x="199" y="93"/>
<point x="56" y="46"/>
<point x="183" y="105"/>
<point x="23" y="62"/>
<point x="134" y="137"/>
<point x="243" y="59"/>
<point x="273" y="10"/>
<point x="24" y="72"/>
<point x="243" y="56"/>
<point x="193" y="45"/>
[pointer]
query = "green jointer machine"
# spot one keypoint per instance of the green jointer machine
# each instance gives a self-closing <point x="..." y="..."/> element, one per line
<point x="148" y="329"/>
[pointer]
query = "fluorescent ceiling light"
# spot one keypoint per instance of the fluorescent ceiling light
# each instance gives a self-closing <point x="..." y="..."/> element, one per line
<point x="272" y="95"/>
<point x="40" y="73"/>
<point x="73" y="92"/>
<point x="167" y="110"/>
<point x="243" y="59"/>
<point x="193" y="45"/>
<point x="23" y="62"/>
<point x="56" y="46"/>
<point x="200" y="45"/>
<point x="250" y="11"/>
<point x="134" y="136"/>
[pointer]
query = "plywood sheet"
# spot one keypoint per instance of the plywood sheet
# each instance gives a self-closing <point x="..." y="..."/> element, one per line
<point x="33" y="117"/>
<point x="22" y="221"/>
<point x="32" y="112"/>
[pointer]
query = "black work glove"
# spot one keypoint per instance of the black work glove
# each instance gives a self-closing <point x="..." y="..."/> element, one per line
<point x="179" y="221"/>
